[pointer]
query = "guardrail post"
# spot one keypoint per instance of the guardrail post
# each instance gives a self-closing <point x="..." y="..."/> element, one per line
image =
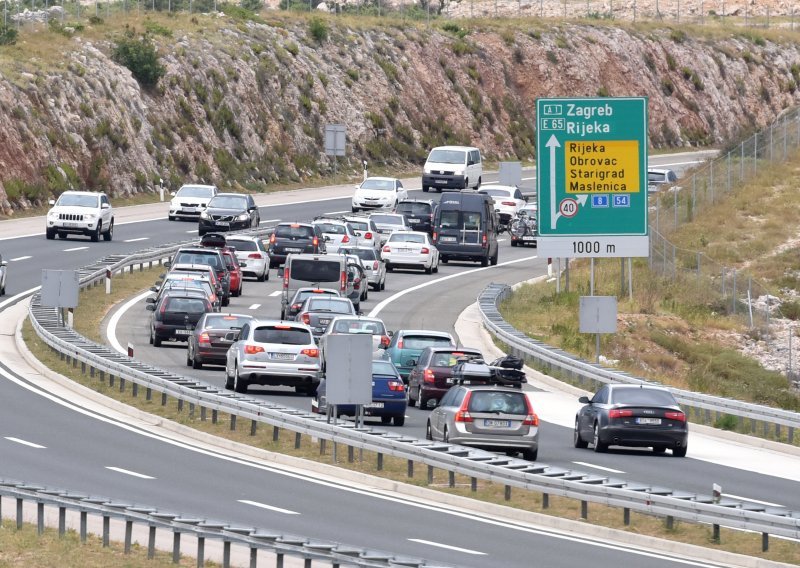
<point x="201" y="551"/>
<point x="135" y="390"/>
<point x="214" y="414"/>
<point x="91" y="372"/>
<point x="163" y="399"/>
<point x="128" y="535"/>
<point x="430" y="474"/>
<point x="19" y="513"/>
<point x="106" y="530"/>
<point x="626" y="516"/>
<point x="203" y="413"/>
<point x="791" y="434"/>
<point x="233" y="422"/>
<point x="410" y="468"/>
<point x="322" y="449"/>
<point x="253" y="557"/>
<point x="670" y="522"/>
<point x="380" y="461"/>
<point x="777" y="432"/>
<point x="151" y="543"/>
<point x="451" y="478"/>
<point x="276" y="433"/>
<point x="298" y="438"/>
<point x="473" y="484"/>
<point x="191" y="410"/>
<point x="84" y="519"/>
<point x="545" y="500"/>
<point x="40" y="518"/>
<point x="148" y="394"/>
<point x="83" y="367"/>
<point x="507" y="493"/>
<point x="350" y="454"/>
<point x="584" y="510"/>
<point x="180" y="405"/>
<point x="764" y="542"/>
<point x="715" y="533"/>
<point x="62" y="521"/>
<point x="176" y="547"/>
<point x="226" y="553"/>
<point x="279" y="560"/>
<point x="121" y="384"/>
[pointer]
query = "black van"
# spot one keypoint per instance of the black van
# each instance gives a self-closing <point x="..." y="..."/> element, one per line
<point x="465" y="227"/>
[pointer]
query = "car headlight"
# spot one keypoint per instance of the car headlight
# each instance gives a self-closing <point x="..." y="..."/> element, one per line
<point x="243" y="217"/>
<point x="204" y="215"/>
<point x="91" y="216"/>
<point x="426" y="170"/>
<point x="52" y="214"/>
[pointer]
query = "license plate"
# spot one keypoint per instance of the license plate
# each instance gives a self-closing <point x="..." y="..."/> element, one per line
<point x="283" y="356"/>
<point x="374" y="405"/>
<point x="189" y="209"/>
<point x="413" y="220"/>
<point x="71" y="224"/>
<point x="293" y="250"/>
<point x="492" y="423"/>
<point x="324" y="321"/>
<point x="528" y="238"/>
<point x="447" y="239"/>
<point x="183" y="331"/>
<point x="441" y="181"/>
<point x="222" y="224"/>
<point x="648" y="421"/>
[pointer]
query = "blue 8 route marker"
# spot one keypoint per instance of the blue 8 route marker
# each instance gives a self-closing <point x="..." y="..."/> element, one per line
<point x="591" y="159"/>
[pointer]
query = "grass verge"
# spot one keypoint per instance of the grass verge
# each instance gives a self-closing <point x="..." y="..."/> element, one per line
<point x="95" y="304"/>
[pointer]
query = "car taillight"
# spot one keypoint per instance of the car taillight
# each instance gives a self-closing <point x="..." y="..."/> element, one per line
<point x="305" y="319"/>
<point x="272" y="239"/>
<point x="618" y="413"/>
<point x="435" y="236"/>
<point x="315" y="242"/>
<point x="296" y="306"/>
<point x="204" y="338"/>
<point x="310" y="352"/>
<point x="253" y="349"/>
<point x="163" y="309"/>
<point x="368" y="235"/>
<point x="425" y="250"/>
<point x="397" y="386"/>
<point x="400" y="344"/>
<point x="427" y="376"/>
<point x="463" y="414"/>
<point x="387" y="249"/>
<point x="254" y="255"/>
<point x="375" y="265"/>
<point x="483" y="241"/>
<point x="679" y="416"/>
<point x="286" y="278"/>
<point x="385" y="340"/>
<point x="345" y="239"/>
<point x="509" y="203"/>
<point x="531" y="420"/>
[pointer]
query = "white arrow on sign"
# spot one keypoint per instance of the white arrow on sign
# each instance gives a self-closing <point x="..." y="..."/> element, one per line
<point x="554" y="209"/>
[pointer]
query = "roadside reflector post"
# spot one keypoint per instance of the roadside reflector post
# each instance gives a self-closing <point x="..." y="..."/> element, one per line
<point x="130" y="349"/>
<point x="108" y="281"/>
<point x="70" y="317"/>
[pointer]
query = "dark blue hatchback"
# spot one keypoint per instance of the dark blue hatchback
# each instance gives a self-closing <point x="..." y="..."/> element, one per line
<point x="388" y="396"/>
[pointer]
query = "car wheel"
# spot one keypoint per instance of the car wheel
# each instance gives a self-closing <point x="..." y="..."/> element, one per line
<point x="386" y="419"/>
<point x="494" y="259"/>
<point x="425" y="188"/>
<point x="95" y="236"/>
<point x="189" y="361"/>
<point x="599" y="446"/>
<point x="171" y="217"/>
<point x="196" y="362"/>
<point x="156" y="340"/>
<point x="383" y="284"/>
<point x="466" y="183"/>
<point x="530" y="455"/>
<point x="436" y="267"/>
<point x="200" y="232"/>
<point x="108" y="235"/>
<point x="681" y="452"/>
<point x="480" y="179"/>
<point x="577" y="441"/>
<point x="659" y="449"/>
<point x="485" y="261"/>
<point x="228" y="379"/>
<point x="412" y="402"/>
<point x="151" y="335"/>
<point x="49" y="235"/>
<point x="446" y="436"/>
<point x="389" y="267"/>
<point x="513" y="243"/>
<point x="239" y="384"/>
<point x="263" y="276"/>
<point x="428" y="269"/>
<point x="428" y="433"/>
<point x="444" y="259"/>
<point x="423" y="402"/>
<point x="226" y="301"/>
<point x="399" y="420"/>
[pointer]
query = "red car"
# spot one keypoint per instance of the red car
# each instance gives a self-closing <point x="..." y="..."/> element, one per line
<point x="428" y="379"/>
<point x="232" y="263"/>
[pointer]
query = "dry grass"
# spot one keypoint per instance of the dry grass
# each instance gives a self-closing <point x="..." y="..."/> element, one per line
<point x="95" y="304"/>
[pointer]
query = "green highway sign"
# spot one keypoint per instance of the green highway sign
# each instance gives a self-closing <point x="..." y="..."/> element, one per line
<point x="591" y="181"/>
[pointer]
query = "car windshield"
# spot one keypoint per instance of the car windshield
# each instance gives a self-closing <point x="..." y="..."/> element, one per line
<point x="282" y="334"/>
<point x="359" y="326"/>
<point x="332" y="228"/>
<point x="500" y="402"/>
<point x="423" y="341"/>
<point x="242" y="244"/>
<point x="379" y="184"/>
<point x="229" y="202"/>
<point x="219" y="321"/>
<point x="383" y="368"/>
<point x="636" y="395"/>
<point x="447" y="157"/>
<point x="407" y="238"/>
<point x="195" y="191"/>
<point x="75" y="200"/>
<point x="414" y="208"/>
<point x="388" y="219"/>
<point x="497" y="192"/>
<point x="466" y="220"/>
<point x="294" y="231"/>
<point x="339" y="306"/>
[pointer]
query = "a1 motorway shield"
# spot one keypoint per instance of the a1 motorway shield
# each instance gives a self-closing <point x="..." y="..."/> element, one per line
<point x="591" y="159"/>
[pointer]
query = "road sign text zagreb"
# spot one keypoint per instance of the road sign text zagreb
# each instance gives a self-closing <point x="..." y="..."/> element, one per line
<point x="592" y="177"/>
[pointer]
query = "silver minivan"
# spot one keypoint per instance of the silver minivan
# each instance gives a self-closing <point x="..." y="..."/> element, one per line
<point x="452" y="167"/>
<point x="315" y="270"/>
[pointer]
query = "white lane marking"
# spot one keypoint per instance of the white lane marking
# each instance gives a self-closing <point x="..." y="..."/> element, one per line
<point x="587" y="464"/>
<point x="501" y="240"/>
<point x="112" y="323"/>
<point x="447" y="546"/>
<point x="24" y="443"/>
<point x="19" y="258"/>
<point x="270" y="221"/>
<point x="192" y="231"/>
<point x="76" y="248"/>
<point x="377" y="309"/>
<point x="254" y="307"/>
<point x="268" y="507"/>
<point x="129" y="472"/>
<point x="336" y="212"/>
<point x="135" y="240"/>
<point x="748" y="499"/>
<point x="275" y="293"/>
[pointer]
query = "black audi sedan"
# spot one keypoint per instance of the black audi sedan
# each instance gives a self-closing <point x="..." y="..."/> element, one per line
<point x="229" y="212"/>
<point x="633" y="416"/>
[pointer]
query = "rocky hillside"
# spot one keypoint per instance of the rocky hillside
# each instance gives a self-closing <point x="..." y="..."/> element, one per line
<point x="244" y="100"/>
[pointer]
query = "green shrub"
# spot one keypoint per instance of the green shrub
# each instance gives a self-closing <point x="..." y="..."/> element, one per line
<point x="141" y="58"/>
<point x="678" y="36"/>
<point x="254" y="6"/>
<point x="96" y="20"/>
<point x="318" y="29"/>
<point x="292" y="48"/>
<point x="353" y="74"/>
<point x="157" y="29"/>
<point x="726" y="422"/>
<point x="791" y="310"/>
<point x="8" y="35"/>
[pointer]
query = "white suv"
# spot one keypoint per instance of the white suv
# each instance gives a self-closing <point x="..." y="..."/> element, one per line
<point x="337" y="234"/>
<point x="80" y="213"/>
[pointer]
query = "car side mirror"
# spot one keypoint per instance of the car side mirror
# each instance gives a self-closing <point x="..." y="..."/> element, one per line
<point x="167" y="264"/>
<point x="413" y="362"/>
<point x="327" y="239"/>
<point x="350" y="277"/>
<point x="390" y="333"/>
<point x="150" y="300"/>
<point x="153" y="288"/>
<point x="150" y="307"/>
<point x="232" y="336"/>
<point x="172" y="193"/>
<point x="105" y="206"/>
<point x="584" y="399"/>
<point x="357" y="186"/>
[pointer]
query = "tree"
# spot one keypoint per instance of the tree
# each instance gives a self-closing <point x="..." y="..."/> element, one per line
<point x="140" y="56"/>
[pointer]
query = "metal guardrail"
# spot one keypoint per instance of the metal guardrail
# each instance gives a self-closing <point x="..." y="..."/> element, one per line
<point x="476" y="464"/>
<point x="256" y="540"/>
<point x="702" y="408"/>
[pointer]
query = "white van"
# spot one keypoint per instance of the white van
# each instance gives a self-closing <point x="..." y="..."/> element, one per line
<point x="452" y="167"/>
<point x="316" y="270"/>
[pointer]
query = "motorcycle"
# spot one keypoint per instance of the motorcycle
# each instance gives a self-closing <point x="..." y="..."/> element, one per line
<point x="523" y="229"/>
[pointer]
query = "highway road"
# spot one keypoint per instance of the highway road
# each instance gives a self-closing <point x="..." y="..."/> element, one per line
<point x="50" y="441"/>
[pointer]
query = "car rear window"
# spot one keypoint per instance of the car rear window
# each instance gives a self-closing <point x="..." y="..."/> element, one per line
<point x="284" y="334"/>
<point x="642" y="396"/>
<point x="294" y="231"/>
<point x="414" y="208"/>
<point x="187" y="305"/>
<point x="341" y="306"/>
<point x="358" y="225"/>
<point x="332" y="228"/>
<point x="388" y="219"/>
<point x="243" y="245"/>
<point x="497" y="192"/>
<point x="423" y="341"/>
<point x="225" y="322"/>
<point x="310" y="270"/>
<point x="303" y="294"/>
<point x="448" y="358"/>
<point x="210" y="259"/>
<point x="359" y="326"/>
<point x="501" y="402"/>
<point x="363" y="254"/>
<point x="383" y="368"/>
<point x="407" y="238"/>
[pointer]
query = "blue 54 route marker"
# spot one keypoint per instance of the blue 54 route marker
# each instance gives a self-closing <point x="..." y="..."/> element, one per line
<point x="591" y="156"/>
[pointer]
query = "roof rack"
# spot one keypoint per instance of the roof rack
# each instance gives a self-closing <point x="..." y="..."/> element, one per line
<point x="473" y="370"/>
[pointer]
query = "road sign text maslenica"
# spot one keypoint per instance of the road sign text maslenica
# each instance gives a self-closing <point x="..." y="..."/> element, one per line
<point x="591" y="159"/>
